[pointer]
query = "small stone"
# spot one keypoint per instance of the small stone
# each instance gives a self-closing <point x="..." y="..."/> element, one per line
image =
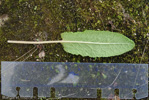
<point x="41" y="54"/>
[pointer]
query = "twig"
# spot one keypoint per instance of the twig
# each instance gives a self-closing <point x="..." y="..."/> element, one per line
<point x="25" y="54"/>
<point x="19" y="58"/>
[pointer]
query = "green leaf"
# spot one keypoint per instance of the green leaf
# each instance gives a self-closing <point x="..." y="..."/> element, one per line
<point x="104" y="76"/>
<point x="96" y="43"/>
<point x="35" y="8"/>
<point x="66" y="67"/>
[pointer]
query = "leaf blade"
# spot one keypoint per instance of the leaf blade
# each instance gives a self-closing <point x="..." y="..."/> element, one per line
<point x="96" y="43"/>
